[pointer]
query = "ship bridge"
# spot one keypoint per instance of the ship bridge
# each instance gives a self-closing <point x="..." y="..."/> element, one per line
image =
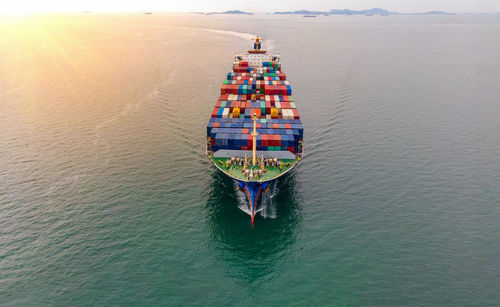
<point x="257" y="56"/>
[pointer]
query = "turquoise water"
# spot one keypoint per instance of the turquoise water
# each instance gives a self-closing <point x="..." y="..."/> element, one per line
<point x="106" y="196"/>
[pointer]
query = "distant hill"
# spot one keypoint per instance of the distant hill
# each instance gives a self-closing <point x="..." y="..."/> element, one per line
<point x="301" y="12"/>
<point x="374" y="11"/>
<point x="233" y="12"/>
<point x="435" y="13"/>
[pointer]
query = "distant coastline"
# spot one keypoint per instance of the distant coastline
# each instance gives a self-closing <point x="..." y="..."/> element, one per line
<point x="369" y="12"/>
<point x="232" y="12"/>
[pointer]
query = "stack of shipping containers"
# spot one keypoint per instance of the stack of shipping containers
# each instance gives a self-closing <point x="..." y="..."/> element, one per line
<point x="255" y="90"/>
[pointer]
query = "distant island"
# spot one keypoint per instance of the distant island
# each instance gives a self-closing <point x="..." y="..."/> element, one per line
<point x="308" y="13"/>
<point x="435" y="13"/>
<point x="369" y="12"/>
<point x="374" y="11"/>
<point x="233" y="12"/>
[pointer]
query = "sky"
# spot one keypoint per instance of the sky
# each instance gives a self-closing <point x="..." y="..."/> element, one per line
<point x="256" y="6"/>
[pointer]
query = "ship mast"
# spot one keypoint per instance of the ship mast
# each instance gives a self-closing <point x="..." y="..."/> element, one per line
<point x="254" y="137"/>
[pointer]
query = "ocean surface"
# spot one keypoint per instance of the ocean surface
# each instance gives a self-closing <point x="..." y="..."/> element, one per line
<point x="106" y="197"/>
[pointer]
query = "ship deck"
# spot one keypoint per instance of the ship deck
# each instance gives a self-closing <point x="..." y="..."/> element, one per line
<point x="236" y="171"/>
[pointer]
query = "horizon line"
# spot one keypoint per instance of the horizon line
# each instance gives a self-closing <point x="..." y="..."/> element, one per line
<point x="87" y="10"/>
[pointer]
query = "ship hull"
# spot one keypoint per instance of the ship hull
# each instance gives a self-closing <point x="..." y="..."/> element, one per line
<point x="254" y="191"/>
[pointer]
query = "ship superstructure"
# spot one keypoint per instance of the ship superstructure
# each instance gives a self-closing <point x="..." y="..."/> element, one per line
<point x="255" y="134"/>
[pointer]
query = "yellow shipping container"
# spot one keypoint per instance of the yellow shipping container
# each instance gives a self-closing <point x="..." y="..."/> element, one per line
<point x="236" y="112"/>
<point x="274" y="113"/>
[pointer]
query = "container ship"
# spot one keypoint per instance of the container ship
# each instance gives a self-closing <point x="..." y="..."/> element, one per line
<point x="255" y="134"/>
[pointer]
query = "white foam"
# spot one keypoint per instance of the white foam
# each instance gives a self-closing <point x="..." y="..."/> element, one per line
<point x="267" y="208"/>
<point x="268" y="43"/>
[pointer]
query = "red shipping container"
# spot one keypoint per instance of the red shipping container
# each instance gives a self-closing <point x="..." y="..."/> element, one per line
<point x="258" y="125"/>
<point x="295" y="114"/>
<point x="217" y="104"/>
<point x="270" y="140"/>
<point x="264" y="140"/>
<point x="244" y="131"/>
<point x="288" y="126"/>
<point x="276" y="126"/>
<point x="214" y="112"/>
<point x="255" y="111"/>
<point x="291" y="149"/>
<point x="216" y="125"/>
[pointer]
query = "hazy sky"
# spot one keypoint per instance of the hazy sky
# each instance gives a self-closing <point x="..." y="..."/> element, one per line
<point x="405" y="6"/>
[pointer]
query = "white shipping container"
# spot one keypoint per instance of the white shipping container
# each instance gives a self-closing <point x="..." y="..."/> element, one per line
<point x="284" y="113"/>
<point x="225" y="113"/>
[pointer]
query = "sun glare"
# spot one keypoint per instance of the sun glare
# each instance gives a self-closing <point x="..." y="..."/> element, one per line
<point x="36" y="6"/>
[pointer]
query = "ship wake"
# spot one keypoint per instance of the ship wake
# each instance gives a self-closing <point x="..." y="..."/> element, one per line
<point x="245" y="36"/>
